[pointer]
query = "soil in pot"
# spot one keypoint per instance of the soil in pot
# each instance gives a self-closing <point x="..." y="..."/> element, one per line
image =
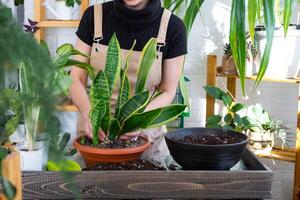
<point x="140" y="164"/>
<point x="116" y="144"/>
<point x="210" y="139"/>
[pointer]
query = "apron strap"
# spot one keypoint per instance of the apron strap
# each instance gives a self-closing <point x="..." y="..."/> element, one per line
<point x="162" y="34"/>
<point x="98" y="15"/>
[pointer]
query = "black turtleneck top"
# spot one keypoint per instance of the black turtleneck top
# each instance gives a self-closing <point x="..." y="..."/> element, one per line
<point x="130" y="25"/>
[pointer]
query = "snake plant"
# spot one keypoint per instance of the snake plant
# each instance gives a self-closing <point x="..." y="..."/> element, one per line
<point x="128" y="114"/>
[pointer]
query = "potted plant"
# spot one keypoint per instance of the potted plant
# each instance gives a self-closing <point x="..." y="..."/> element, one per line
<point x="64" y="9"/>
<point x="263" y="130"/>
<point x="129" y="114"/>
<point x="228" y="64"/>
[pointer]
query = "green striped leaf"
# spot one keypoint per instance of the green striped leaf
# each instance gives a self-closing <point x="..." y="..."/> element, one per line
<point x="124" y="91"/>
<point x="100" y="91"/>
<point x="133" y="105"/>
<point x="147" y="59"/>
<point x="168" y="114"/>
<point x="191" y="13"/>
<point x="114" y="129"/>
<point x="113" y="62"/>
<point x="269" y="18"/>
<point x="287" y="13"/>
<point x="140" y="120"/>
<point x="237" y="38"/>
<point x="252" y="13"/>
<point x="12" y="124"/>
<point x="97" y="114"/>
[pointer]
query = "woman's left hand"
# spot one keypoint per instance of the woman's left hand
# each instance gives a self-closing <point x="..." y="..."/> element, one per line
<point x="131" y="135"/>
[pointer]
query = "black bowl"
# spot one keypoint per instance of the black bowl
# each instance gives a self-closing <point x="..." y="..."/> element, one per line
<point x="202" y="156"/>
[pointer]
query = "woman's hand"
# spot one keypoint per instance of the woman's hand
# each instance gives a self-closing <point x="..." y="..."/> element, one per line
<point x="131" y="135"/>
<point x="88" y="128"/>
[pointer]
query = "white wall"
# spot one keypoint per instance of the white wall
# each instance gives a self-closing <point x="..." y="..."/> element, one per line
<point x="207" y="37"/>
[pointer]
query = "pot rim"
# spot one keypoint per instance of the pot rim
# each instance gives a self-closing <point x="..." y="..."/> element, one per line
<point x="124" y="151"/>
<point x="167" y="136"/>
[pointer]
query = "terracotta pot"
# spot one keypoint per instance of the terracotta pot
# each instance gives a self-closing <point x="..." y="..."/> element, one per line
<point x="93" y="155"/>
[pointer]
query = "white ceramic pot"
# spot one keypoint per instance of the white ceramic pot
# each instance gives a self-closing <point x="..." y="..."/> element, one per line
<point x="261" y="142"/>
<point x="284" y="60"/>
<point x="35" y="160"/>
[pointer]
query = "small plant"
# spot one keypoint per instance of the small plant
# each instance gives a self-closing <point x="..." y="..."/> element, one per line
<point x="129" y="113"/>
<point x="261" y="122"/>
<point x="232" y="119"/>
<point x="71" y="3"/>
<point x="31" y="27"/>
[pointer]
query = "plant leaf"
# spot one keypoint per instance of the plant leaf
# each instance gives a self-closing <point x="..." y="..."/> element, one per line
<point x="97" y="115"/>
<point x="237" y="107"/>
<point x="227" y="100"/>
<point x="228" y="118"/>
<point x="212" y="121"/>
<point x="63" y="165"/>
<point x="168" y="114"/>
<point x="147" y="59"/>
<point x="140" y="120"/>
<point x="133" y="105"/>
<point x="287" y="13"/>
<point x="64" y="49"/>
<point x="100" y="91"/>
<point x="12" y="124"/>
<point x="64" y="141"/>
<point x="124" y="91"/>
<point x="269" y="18"/>
<point x="214" y="92"/>
<point x="237" y="38"/>
<point x="114" y="129"/>
<point x="191" y="13"/>
<point x="184" y="91"/>
<point x="113" y="62"/>
<point x="90" y="70"/>
<point x="252" y="14"/>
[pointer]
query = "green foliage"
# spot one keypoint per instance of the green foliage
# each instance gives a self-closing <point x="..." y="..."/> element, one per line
<point x="130" y="109"/>
<point x="63" y="165"/>
<point x="10" y="113"/>
<point x="231" y="119"/>
<point x="71" y="3"/>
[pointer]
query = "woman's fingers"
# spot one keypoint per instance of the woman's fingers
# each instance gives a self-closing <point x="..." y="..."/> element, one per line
<point x="88" y="129"/>
<point x="102" y="135"/>
<point x="131" y="135"/>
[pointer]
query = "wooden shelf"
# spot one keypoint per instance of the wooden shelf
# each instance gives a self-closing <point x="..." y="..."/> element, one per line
<point x="59" y="23"/>
<point x="287" y="80"/>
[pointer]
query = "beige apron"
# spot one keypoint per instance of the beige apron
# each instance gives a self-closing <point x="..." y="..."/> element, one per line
<point x="158" y="148"/>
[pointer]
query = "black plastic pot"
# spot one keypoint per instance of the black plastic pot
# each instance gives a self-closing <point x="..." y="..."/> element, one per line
<point x="205" y="157"/>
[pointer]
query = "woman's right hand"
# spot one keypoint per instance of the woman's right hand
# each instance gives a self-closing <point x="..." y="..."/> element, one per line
<point x="88" y="129"/>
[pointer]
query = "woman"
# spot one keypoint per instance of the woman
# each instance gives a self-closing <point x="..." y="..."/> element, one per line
<point x="131" y="20"/>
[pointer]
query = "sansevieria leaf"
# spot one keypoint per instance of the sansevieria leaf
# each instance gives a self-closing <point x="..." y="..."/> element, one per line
<point x="113" y="62"/>
<point x="237" y="38"/>
<point x="100" y="91"/>
<point x="146" y="62"/>
<point x="140" y="120"/>
<point x="114" y="129"/>
<point x="124" y="91"/>
<point x="287" y="13"/>
<point x="269" y="18"/>
<point x="252" y="13"/>
<point x="97" y="114"/>
<point x="167" y="115"/>
<point x="133" y="105"/>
